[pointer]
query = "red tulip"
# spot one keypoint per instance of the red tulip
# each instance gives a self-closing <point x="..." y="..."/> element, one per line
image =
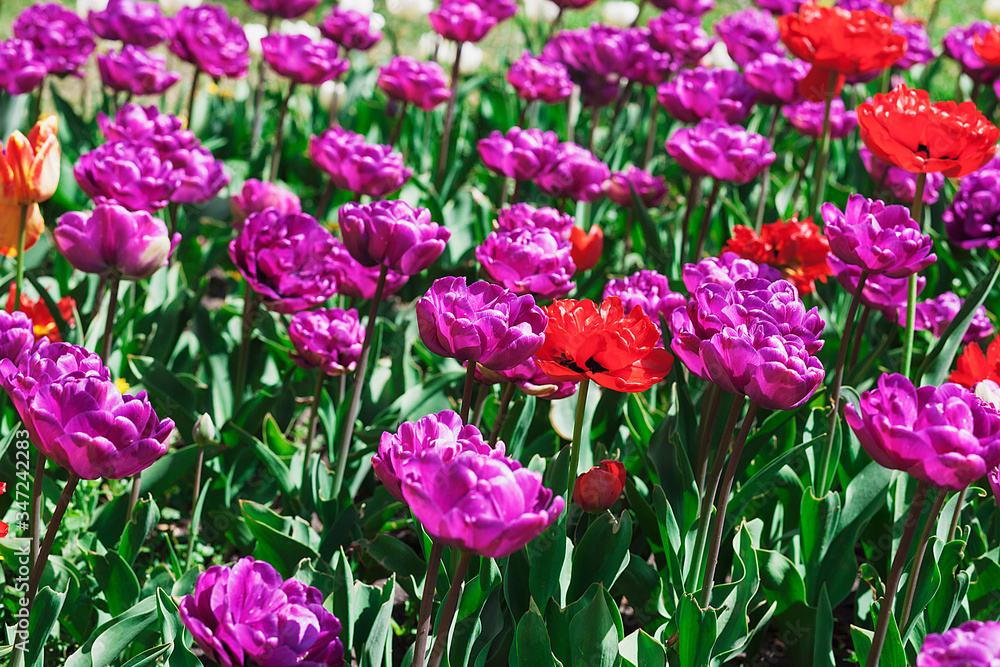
<point x="598" y="489"/>
<point x="42" y="320"/>
<point x="587" y="248"/>
<point x="796" y="248"/>
<point x="973" y="366"/>
<point x="987" y="46"/>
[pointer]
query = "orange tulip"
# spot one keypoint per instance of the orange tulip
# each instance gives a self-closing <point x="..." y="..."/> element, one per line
<point x="29" y="168"/>
<point x="10" y="219"/>
<point x="587" y="247"/>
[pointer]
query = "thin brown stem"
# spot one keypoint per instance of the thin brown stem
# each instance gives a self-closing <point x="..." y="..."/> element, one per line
<point x="957" y="514"/>
<point x="709" y="409"/>
<point x="50" y="537"/>
<point x="313" y="421"/>
<point x="133" y="497"/>
<point x="109" y="321"/>
<point x="427" y="604"/>
<point x="449" y="118"/>
<point x="470" y="383"/>
<point x="448" y="611"/>
<point x="918" y="557"/>
<point x="194" y="91"/>
<point x="279" y="134"/>
<point x="859" y="335"/>
<point x="36" y="506"/>
<point x="651" y="135"/>
<point x="707" y="220"/>
<point x="506" y="394"/>
<point x="765" y="176"/>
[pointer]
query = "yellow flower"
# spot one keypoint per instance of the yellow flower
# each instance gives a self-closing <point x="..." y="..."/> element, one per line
<point x="10" y="220"/>
<point x="122" y="385"/>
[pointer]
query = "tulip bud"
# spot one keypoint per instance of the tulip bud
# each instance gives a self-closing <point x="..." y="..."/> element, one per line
<point x="620" y="13"/>
<point x="991" y="10"/>
<point x="587" y="247"/>
<point x="204" y="431"/>
<point x="598" y="489"/>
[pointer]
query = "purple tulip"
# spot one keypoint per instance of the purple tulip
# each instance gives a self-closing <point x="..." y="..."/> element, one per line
<point x="957" y="44"/>
<point x="748" y="34"/>
<point x="360" y="282"/>
<point x="283" y="9"/>
<point x="286" y="259"/>
<point x="537" y="79"/>
<point x="880" y="239"/>
<point x="530" y="379"/>
<point x="357" y="166"/>
<point x="523" y="155"/>
<point x="644" y="64"/>
<point x="776" y="78"/>
<point x="147" y="126"/>
<point x="681" y="36"/>
<point x="136" y="71"/>
<point x="22" y="68"/>
<point x="127" y="174"/>
<point x="577" y="174"/>
<point x="725" y="270"/>
<point x="650" y="189"/>
<point x="972" y="644"/>
<point x="881" y="293"/>
<point x="247" y="615"/>
<point x="17" y="335"/>
<point x="943" y="436"/>
<point x="114" y="241"/>
<point x="901" y="183"/>
<point x="411" y="81"/>
<point x="751" y="336"/>
<point x="972" y="219"/>
<point x="327" y="338"/>
<point x="807" y="118"/>
<point x="137" y="23"/>
<point x="202" y="176"/>
<point x="936" y="314"/>
<point x="726" y="152"/>
<point x="392" y="234"/>
<point x="596" y="51"/>
<point x="462" y="20"/>
<point x="62" y="40"/>
<point x="351" y="29"/>
<point x="526" y="216"/>
<point x="490" y="506"/>
<point x="482" y="323"/>
<point x="649" y="290"/>
<point x="693" y="8"/>
<point x="210" y="40"/>
<point x="878" y="6"/>
<point x="444" y="433"/>
<point x="779" y="7"/>
<point x="302" y="60"/>
<point x="707" y="92"/>
<point x="529" y="261"/>
<point x="256" y="196"/>
<point x="918" y="45"/>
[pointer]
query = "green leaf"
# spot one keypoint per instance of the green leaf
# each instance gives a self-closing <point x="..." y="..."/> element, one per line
<point x="145" y="516"/>
<point x="818" y="522"/>
<point x="279" y="539"/>
<point x="148" y="657"/>
<point x="118" y="582"/>
<point x="781" y="581"/>
<point x="823" y="632"/>
<point x="948" y="599"/>
<point x="113" y="637"/>
<point x="44" y="616"/>
<point x="373" y="625"/>
<point x="602" y="554"/>
<point x="549" y="561"/>
<point x="697" y="626"/>
<point x="733" y="619"/>
<point x="395" y="556"/>
<point x="594" y="634"/>
<point x="532" y="647"/>
<point x="174" y="632"/>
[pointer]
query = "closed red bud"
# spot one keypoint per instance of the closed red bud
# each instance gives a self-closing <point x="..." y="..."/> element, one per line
<point x="586" y="247"/>
<point x="598" y="489"/>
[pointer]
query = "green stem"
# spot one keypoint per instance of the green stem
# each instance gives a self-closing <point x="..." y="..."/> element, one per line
<point x="36" y="506"/>
<point x="427" y="604"/>
<point x="895" y="573"/>
<point x="720" y="517"/>
<point x="574" y="452"/>
<point x="359" y="383"/>
<point x="133" y="497"/>
<point x="194" y="91"/>
<point x="470" y="383"/>
<point x="109" y="321"/>
<point x="280" y="133"/>
<point x="709" y="409"/>
<point x="819" y="176"/>
<point x="448" y="611"/>
<point x="258" y="103"/>
<point x="957" y="515"/>
<point x="311" y="437"/>
<point x="197" y="482"/>
<point x="246" y="335"/>
<point x="399" y="126"/>
<point x="838" y="379"/>
<point x="911" y="283"/>
<point x="651" y="136"/>
<point x="449" y="118"/>
<point x="506" y="394"/>
<point x="859" y="335"/>
<point x="693" y="199"/>
<point x="918" y="557"/>
<point x="50" y="536"/>
<point x="765" y="177"/>
<point x="706" y="221"/>
<point x="22" y="232"/>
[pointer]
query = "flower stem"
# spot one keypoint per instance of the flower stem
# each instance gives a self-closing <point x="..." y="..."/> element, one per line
<point x="311" y="437"/>
<point x="22" y="233"/>
<point x="708" y="494"/>
<point x="895" y="573"/>
<point x="36" y="506"/>
<point x="470" y="383"/>
<point x="707" y="220"/>
<point x="398" y="130"/>
<point x="918" y="557"/>
<point x="693" y="199"/>
<point x="957" y="514"/>
<point x="838" y="379"/>
<point x="427" y="604"/>
<point x="574" y="452"/>
<point x="819" y="175"/>
<point x="651" y="136"/>
<point x="50" y="536"/>
<point x="448" y="611"/>
<point x="246" y="335"/>
<point x="194" y="91"/>
<point x="709" y="409"/>
<point x="911" y="282"/>
<point x="506" y="394"/>
<point x="257" y="126"/>
<point x="859" y="335"/>
<point x="359" y="383"/>
<point x="765" y="177"/>
<point x="134" y="496"/>
<point x="449" y="118"/>
<point x="720" y="517"/>
<point x="109" y="322"/>
<point x="197" y="478"/>
<point x="280" y="133"/>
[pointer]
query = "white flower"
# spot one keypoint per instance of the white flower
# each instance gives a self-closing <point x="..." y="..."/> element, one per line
<point x="472" y="55"/>
<point x="361" y="6"/>
<point x="409" y="10"/>
<point x="718" y="57"/>
<point x="376" y="21"/>
<point x="989" y="391"/>
<point x="544" y="11"/>
<point x="84" y="7"/>
<point x="620" y="13"/>
<point x="991" y="10"/>
<point x="255" y="32"/>
<point x="301" y="28"/>
<point x="171" y="7"/>
<point x="331" y="91"/>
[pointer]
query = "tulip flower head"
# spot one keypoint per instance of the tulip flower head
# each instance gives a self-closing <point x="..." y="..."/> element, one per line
<point x="29" y="168"/>
<point x="972" y="366"/>
<point x="649" y="290"/>
<point x="598" y="489"/>
<point x="972" y="644"/>
<point x="794" y="247"/>
<point x="392" y="234"/>
<point x="42" y="322"/>
<point x="586" y="247"/>
<point x="604" y="344"/>
<point x="327" y="338"/>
